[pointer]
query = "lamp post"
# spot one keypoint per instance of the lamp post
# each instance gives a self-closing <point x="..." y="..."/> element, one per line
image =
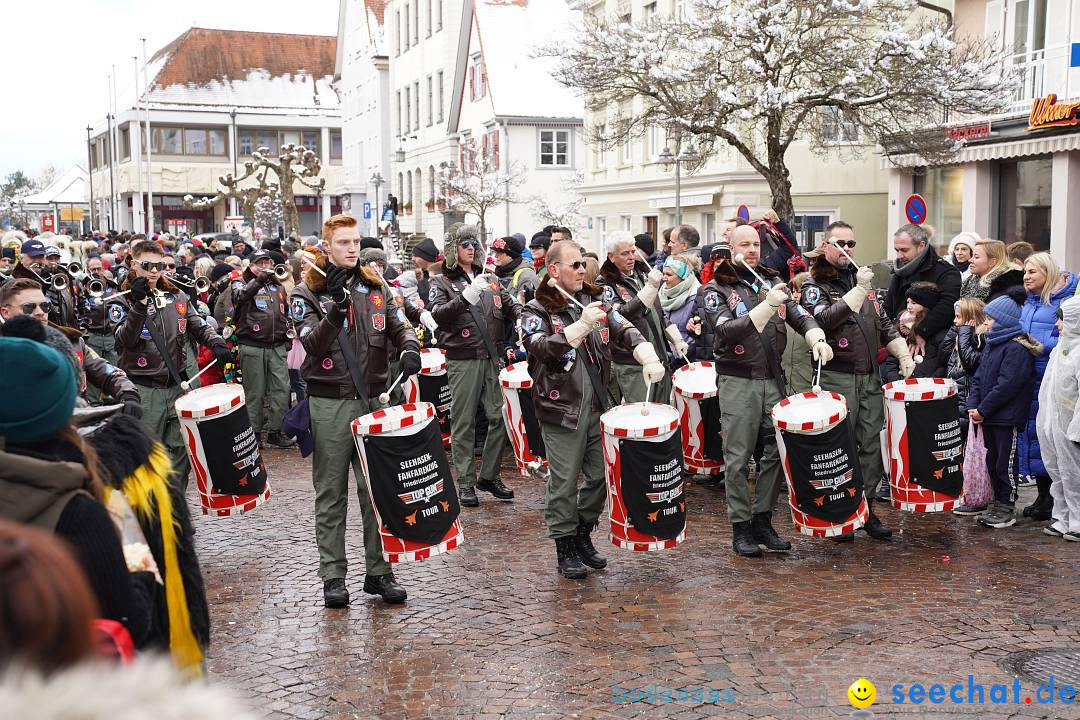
<point x="235" y="150"/>
<point x="90" y="173"/>
<point x="683" y="154"/>
<point x="377" y="181"/>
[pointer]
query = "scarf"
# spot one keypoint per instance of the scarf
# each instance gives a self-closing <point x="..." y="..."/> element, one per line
<point x="908" y="269"/>
<point x="997" y="335"/>
<point x="674" y="298"/>
<point x="508" y="269"/>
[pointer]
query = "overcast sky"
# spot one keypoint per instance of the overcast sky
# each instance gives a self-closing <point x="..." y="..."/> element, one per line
<point x="58" y="53"/>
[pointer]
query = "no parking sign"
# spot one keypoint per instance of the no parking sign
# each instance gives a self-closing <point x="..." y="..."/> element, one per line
<point x="915" y="209"/>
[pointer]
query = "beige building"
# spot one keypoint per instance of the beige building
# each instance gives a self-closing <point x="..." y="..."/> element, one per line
<point x="215" y="96"/>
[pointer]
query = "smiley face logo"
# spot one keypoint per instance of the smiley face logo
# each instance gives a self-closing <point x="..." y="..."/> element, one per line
<point x="862" y="693"/>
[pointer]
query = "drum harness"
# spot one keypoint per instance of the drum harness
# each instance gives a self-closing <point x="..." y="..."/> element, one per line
<point x="602" y="392"/>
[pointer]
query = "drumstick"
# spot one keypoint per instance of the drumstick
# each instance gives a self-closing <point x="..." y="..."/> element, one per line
<point x="309" y="261"/>
<point x="740" y="258"/>
<point x="833" y="241"/>
<point x="648" y="392"/>
<point x="817" y="378"/>
<point x="384" y="398"/>
<point x="552" y="282"/>
<point x="185" y="385"/>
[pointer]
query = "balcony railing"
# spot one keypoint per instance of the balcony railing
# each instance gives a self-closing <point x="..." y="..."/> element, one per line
<point x="1040" y="72"/>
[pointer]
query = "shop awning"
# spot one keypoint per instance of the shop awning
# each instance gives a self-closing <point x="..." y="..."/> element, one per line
<point x="999" y="151"/>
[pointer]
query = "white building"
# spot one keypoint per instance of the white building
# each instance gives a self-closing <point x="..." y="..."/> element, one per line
<point x="215" y="96"/>
<point x="61" y="205"/>
<point x="363" y="81"/>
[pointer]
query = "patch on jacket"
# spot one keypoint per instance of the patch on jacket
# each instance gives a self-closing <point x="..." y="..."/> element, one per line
<point x="116" y="313"/>
<point x="733" y="300"/>
<point x="625" y="294"/>
<point x="433" y="293"/>
<point x="609" y="294"/>
<point x="181" y="325"/>
<point x="712" y="301"/>
<point x="298" y="309"/>
<point x="377" y="300"/>
<point x="378" y="321"/>
<point x="532" y="324"/>
<point x="812" y="295"/>
<point x="781" y="312"/>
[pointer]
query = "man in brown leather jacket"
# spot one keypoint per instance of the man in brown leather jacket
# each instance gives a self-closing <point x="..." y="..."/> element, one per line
<point x="842" y="300"/>
<point x="570" y="362"/>
<point x="155" y="314"/>
<point x="262" y="329"/>
<point x="471" y="309"/>
<point x="348" y="304"/>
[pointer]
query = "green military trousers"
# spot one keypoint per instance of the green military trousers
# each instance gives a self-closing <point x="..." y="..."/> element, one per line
<point x="335" y="452"/>
<point x="745" y="407"/>
<point x="627" y="385"/>
<point x="159" y="416"/>
<point x="570" y="453"/>
<point x="866" y="416"/>
<point x="473" y="384"/>
<point x="105" y="346"/>
<point x="266" y="381"/>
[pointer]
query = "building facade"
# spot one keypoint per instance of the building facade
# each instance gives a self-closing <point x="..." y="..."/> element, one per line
<point x="61" y="206"/>
<point x="212" y="97"/>
<point x="1017" y="174"/>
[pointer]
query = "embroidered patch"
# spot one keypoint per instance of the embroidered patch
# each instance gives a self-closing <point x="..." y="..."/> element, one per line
<point x="494" y="286"/>
<point x="327" y="364"/>
<point x="739" y="349"/>
<point x="376" y="300"/>
<point x="465" y="332"/>
<point x="298" y="309"/>
<point x="255" y="327"/>
<point x="262" y="301"/>
<point x="532" y="324"/>
<point x="712" y="301"/>
<point x="614" y="315"/>
<point x="781" y="312"/>
<point x="181" y="325"/>
<point x="362" y="289"/>
<point x="281" y="308"/>
<point x="401" y="317"/>
<point x="811" y="295"/>
<point x="181" y="308"/>
<point x="116" y="313"/>
<point x="733" y="300"/>
<point x="609" y="294"/>
<point x="141" y="362"/>
<point x="497" y="299"/>
<point x="79" y="357"/>
<point x="604" y="335"/>
<point x="741" y="309"/>
<point x="432" y="294"/>
<point x="625" y="294"/>
<point x="843" y="342"/>
<point x="554" y="394"/>
<point x="145" y="334"/>
<point x="557" y="324"/>
<point x="378" y="321"/>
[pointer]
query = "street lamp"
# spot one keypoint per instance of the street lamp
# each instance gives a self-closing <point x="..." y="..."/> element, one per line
<point x="683" y="154"/>
<point x="377" y="181"/>
<point x="235" y="150"/>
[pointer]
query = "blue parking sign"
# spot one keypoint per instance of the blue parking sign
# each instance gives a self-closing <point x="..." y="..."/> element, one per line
<point x="367" y="211"/>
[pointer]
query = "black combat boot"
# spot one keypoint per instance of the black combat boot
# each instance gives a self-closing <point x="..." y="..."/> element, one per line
<point x="585" y="548"/>
<point x="496" y="488"/>
<point x="570" y="566"/>
<point x="874" y="527"/>
<point x="386" y="586"/>
<point x="467" y="497"/>
<point x="742" y="540"/>
<point x="763" y="533"/>
<point x="278" y="440"/>
<point x="335" y="594"/>
<point x="1042" y="508"/>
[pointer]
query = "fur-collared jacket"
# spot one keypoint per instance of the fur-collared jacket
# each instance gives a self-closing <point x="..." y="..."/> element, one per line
<point x="621" y="293"/>
<point x="458" y="332"/>
<point x="557" y="369"/>
<point x="259" y="310"/>
<point x="371" y="324"/>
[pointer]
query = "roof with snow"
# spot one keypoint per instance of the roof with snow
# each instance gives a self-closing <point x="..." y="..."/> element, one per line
<point x="209" y="69"/>
<point x="510" y="32"/>
<point x="372" y="11"/>
<point x="67" y="189"/>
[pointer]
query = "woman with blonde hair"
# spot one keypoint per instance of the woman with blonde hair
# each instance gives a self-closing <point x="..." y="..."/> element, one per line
<point x="991" y="274"/>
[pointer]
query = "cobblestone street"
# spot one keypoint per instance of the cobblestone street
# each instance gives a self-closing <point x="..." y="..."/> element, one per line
<point x="490" y="630"/>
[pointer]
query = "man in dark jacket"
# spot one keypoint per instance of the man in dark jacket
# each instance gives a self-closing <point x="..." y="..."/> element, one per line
<point x="917" y="260"/>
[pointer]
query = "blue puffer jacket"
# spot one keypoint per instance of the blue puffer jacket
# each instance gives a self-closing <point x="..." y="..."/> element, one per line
<point x="1040" y="321"/>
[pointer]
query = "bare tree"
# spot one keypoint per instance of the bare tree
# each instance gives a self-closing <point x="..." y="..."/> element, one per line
<point x="759" y="74"/>
<point x="480" y="185"/>
<point x="563" y="209"/>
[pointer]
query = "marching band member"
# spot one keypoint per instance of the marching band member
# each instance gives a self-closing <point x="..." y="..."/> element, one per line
<point x="471" y="311"/>
<point x="32" y="266"/>
<point x="750" y="335"/>
<point x="841" y="298"/>
<point x="153" y="322"/>
<point x="570" y="354"/>
<point x="99" y="329"/>
<point x="263" y="331"/>
<point x="633" y="289"/>
<point x="346" y="326"/>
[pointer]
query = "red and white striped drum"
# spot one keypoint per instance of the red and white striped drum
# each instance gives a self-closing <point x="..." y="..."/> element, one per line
<point x="643" y="466"/>
<point x="410" y="421"/>
<point x="812" y="435"/>
<point x="520" y="417"/>
<point x="926" y="449"/>
<point x="699" y="417"/>
<point x="223" y="449"/>
<point x="432" y="386"/>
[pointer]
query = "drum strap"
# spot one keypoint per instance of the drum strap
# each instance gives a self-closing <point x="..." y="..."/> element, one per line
<point x="351" y="362"/>
<point x="478" y="320"/>
<point x="774" y="364"/>
<point x="603" y="394"/>
<point x="159" y="343"/>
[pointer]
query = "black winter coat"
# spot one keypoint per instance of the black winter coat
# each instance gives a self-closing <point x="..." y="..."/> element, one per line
<point x="962" y="348"/>
<point x="931" y="269"/>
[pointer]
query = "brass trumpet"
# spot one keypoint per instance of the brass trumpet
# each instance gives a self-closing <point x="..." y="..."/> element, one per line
<point x="57" y="281"/>
<point x="201" y="284"/>
<point x="73" y="268"/>
<point x="282" y="273"/>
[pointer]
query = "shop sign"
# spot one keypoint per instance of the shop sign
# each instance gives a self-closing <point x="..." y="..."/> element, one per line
<point x="1047" y="112"/>
<point x="977" y="131"/>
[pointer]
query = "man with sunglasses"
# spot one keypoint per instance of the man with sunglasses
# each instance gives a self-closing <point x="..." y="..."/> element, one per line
<point x="841" y="298"/>
<point x="153" y="323"/>
<point x="32" y="266"/>
<point x="570" y="362"/>
<point x="93" y="373"/>
<point x="472" y="311"/>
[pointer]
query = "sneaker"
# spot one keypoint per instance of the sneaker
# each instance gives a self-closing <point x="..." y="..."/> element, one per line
<point x="496" y="488"/>
<point x="999" y="516"/>
<point x="1026" y="481"/>
<point x="1052" y="531"/>
<point x="967" y="510"/>
<point x="1071" y="536"/>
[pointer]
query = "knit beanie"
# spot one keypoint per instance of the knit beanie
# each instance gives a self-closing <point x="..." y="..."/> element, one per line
<point x="926" y="294"/>
<point x="42" y="400"/>
<point x="426" y="250"/>
<point x="219" y="271"/>
<point x="1005" y="311"/>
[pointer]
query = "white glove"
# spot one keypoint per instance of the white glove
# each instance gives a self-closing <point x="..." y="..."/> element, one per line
<point x="656" y="276"/>
<point x="681" y="348"/>
<point x="648" y="293"/>
<point x="428" y="321"/>
<point x="592" y="314"/>
<point x="478" y="285"/>
<point x="855" y="297"/>
<point x="898" y="348"/>
<point x="653" y="372"/>
<point x="815" y="338"/>
<point x="578" y="330"/>
<point x="645" y="353"/>
<point x="865" y="278"/>
<point x="761" y="314"/>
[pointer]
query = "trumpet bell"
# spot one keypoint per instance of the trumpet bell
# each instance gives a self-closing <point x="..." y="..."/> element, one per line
<point x="95" y="288"/>
<point x="58" y="282"/>
<point x="281" y="273"/>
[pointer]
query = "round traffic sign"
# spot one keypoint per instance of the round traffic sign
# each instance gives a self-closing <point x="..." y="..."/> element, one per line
<point x="915" y="209"/>
<point x="743" y="212"/>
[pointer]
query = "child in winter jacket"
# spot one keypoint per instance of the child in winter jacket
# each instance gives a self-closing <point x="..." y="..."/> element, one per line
<point x="962" y="346"/>
<point x="999" y="400"/>
<point x="925" y="349"/>
<point x="1058" y="424"/>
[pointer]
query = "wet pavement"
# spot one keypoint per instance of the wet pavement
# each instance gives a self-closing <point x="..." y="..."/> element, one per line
<point x="490" y="630"/>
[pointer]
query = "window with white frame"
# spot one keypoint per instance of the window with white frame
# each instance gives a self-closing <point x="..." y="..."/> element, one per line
<point x="648" y="11"/>
<point x="477" y="79"/>
<point x="430" y="102"/>
<point x="835" y="128"/>
<point x="679" y="9"/>
<point x="397" y="33"/>
<point x="626" y="150"/>
<point x="438" y="14"/>
<point x="624" y="222"/>
<point x="398" y="93"/>
<point x="599" y="154"/>
<point x="408" y="109"/>
<point x="657" y="139"/>
<point x="416" y="23"/>
<point x="416" y="96"/>
<point x="427" y="11"/>
<point x="439" y="88"/>
<point x="408" y="17"/>
<point x="554" y="148"/>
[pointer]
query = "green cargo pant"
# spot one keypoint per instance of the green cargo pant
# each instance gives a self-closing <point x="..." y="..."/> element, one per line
<point x="191" y="367"/>
<point x="335" y="452"/>
<point x="266" y="377"/>
<point x="473" y="384"/>
<point x="159" y="416"/>
<point x="866" y="416"/>
<point x="745" y="407"/>
<point x="627" y="384"/>
<point x="570" y="453"/>
<point x="105" y="346"/>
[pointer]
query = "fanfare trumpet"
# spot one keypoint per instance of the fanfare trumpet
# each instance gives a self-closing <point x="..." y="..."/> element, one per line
<point x="201" y="284"/>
